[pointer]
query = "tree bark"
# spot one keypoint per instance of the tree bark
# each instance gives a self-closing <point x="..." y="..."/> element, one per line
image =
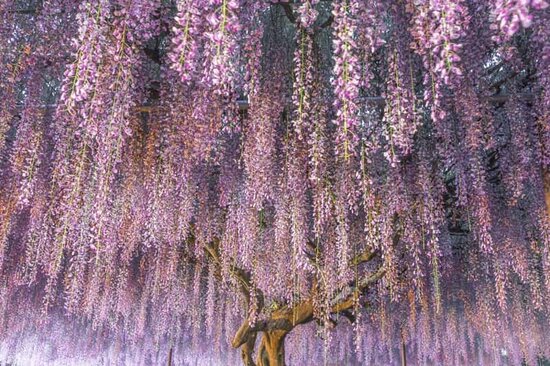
<point x="170" y="357"/>
<point x="403" y="350"/>
<point x="272" y="349"/>
<point x="247" y="351"/>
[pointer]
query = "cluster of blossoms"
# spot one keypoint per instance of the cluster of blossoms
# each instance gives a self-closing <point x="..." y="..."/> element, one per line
<point x="185" y="51"/>
<point x="388" y="168"/>
<point x="347" y="76"/>
<point x="438" y="28"/>
<point x="401" y="105"/>
<point x="224" y="27"/>
<point x="82" y="75"/>
<point x="511" y="15"/>
<point x="307" y="13"/>
<point x="260" y="145"/>
<point x="205" y="41"/>
<point x="25" y="158"/>
<point x="301" y="97"/>
<point x="17" y="60"/>
<point x="451" y="20"/>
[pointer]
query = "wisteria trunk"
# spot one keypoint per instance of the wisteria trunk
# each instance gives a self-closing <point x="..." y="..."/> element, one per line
<point x="272" y="349"/>
<point x="247" y="351"/>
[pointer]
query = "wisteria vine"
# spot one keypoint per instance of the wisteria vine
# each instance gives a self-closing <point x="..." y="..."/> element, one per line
<point x="311" y="182"/>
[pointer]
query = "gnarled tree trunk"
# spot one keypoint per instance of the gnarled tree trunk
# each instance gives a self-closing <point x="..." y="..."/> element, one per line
<point x="272" y="349"/>
<point x="274" y="329"/>
<point x="247" y="351"/>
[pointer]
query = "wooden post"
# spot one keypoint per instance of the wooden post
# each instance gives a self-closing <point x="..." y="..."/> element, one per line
<point x="403" y="350"/>
<point x="170" y="357"/>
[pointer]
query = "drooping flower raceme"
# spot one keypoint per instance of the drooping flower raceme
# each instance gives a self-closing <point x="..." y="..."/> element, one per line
<point x="347" y="76"/>
<point x="511" y="15"/>
<point x="185" y="53"/>
<point x="183" y="177"/>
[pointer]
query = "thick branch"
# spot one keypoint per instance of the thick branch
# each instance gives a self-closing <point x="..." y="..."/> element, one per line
<point x="288" y="11"/>
<point x="347" y="298"/>
<point x="363" y="257"/>
<point x="240" y="275"/>
<point x="287" y="318"/>
<point x="283" y="320"/>
<point x="245" y="336"/>
<point x="247" y="351"/>
<point x="327" y="22"/>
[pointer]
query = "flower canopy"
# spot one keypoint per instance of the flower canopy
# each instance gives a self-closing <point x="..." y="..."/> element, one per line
<point x="313" y="182"/>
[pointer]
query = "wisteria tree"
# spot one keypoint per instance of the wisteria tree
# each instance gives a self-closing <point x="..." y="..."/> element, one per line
<point x="268" y="182"/>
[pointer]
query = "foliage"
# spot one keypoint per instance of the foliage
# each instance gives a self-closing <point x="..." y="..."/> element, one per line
<point x="369" y="170"/>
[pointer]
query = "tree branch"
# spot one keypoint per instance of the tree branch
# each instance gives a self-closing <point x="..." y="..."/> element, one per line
<point x="243" y="104"/>
<point x="288" y="11"/>
<point x="245" y="335"/>
<point x="346" y="299"/>
<point x="287" y="318"/>
<point x="327" y="22"/>
<point x="239" y="274"/>
<point x="363" y="257"/>
<point x="247" y="351"/>
<point x="28" y="11"/>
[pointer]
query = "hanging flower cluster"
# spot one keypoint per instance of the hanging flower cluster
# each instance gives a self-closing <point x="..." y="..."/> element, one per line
<point x="82" y="75"/>
<point x="260" y="147"/>
<point x="204" y="41"/>
<point x="401" y="105"/>
<point x="223" y="22"/>
<point x="182" y="179"/>
<point x="510" y="16"/>
<point x="347" y="76"/>
<point x="301" y="97"/>
<point x="451" y="22"/>
<point x="184" y="53"/>
<point x="441" y="25"/>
